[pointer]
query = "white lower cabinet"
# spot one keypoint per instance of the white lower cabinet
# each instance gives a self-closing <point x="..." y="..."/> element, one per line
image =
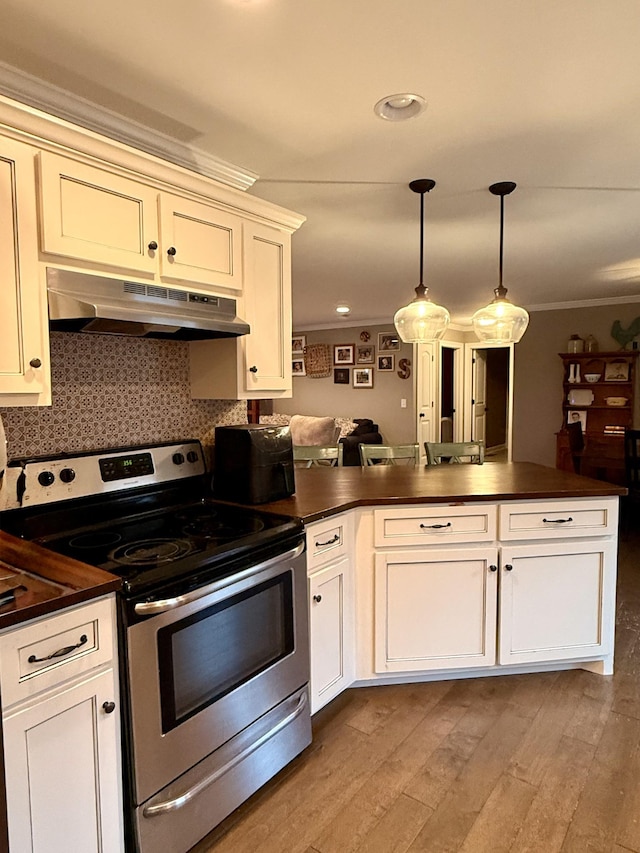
<point x="331" y="608"/>
<point x="435" y="609"/>
<point x="557" y="601"/>
<point x="61" y="728"/>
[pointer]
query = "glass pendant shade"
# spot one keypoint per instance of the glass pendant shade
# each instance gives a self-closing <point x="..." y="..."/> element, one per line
<point x="500" y="322"/>
<point x="421" y="321"/>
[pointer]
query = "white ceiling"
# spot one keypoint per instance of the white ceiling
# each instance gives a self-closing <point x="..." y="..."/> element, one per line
<point x="545" y="93"/>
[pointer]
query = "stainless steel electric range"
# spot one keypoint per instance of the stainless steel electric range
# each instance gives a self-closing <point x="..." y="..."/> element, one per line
<point x="213" y="629"/>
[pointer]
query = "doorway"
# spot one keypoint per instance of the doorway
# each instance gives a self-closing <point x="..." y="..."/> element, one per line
<point x="489" y="391"/>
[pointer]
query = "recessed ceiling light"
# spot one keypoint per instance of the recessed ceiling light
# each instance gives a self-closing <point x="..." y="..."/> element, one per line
<point x="343" y="309"/>
<point x="400" y="107"/>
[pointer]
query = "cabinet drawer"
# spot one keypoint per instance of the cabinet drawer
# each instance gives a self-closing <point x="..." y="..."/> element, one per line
<point x="327" y="540"/>
<point x="558" y="519"/>
<point x="50" y="651"/>
<point x="429" y="524"/>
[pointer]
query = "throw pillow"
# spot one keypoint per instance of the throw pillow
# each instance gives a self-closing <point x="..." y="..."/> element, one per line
<point x="307" y="430"/>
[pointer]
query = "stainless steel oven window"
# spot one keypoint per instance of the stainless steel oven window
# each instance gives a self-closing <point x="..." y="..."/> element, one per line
<point x="210" y="653"/>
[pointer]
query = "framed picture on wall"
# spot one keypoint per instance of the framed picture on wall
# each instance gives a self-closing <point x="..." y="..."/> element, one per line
<point x="297" y="367"/>
<point x="363" y="377"/>
<point x="388" y="342"/>
<point x="298" y="344"/>
<point x="365" y="354"/>
<point x="341" y="375"/>
<point x="386" y="362"/>
<point x="343" y="354"/>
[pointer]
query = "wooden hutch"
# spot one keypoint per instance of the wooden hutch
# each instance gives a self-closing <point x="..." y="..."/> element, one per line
<point x="604" y="407"/>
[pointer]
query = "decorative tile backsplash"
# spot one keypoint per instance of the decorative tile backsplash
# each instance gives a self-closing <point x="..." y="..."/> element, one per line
<point x="112" y="391"/>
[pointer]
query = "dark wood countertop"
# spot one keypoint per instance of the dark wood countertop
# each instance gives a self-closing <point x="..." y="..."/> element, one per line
<point x="58" y="581"/>
<point x="321" y="492"/>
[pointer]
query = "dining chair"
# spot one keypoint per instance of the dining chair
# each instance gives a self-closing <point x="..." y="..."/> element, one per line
<point x="454" y="451"/>
<point x="389" y="454"/>
<point x="318" y="455"/>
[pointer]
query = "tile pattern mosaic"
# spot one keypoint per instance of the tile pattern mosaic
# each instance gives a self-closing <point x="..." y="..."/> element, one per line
<point x="112" y="391"/>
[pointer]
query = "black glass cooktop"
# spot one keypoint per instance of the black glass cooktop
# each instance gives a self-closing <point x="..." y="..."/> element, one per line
<point x="156" y="547"/>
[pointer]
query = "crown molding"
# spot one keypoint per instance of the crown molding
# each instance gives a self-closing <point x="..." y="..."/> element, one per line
<point x="584" y="303"/>
<point x="56" y="101"/>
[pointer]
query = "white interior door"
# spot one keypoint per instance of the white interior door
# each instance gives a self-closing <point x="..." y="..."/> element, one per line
<point x="426" y="394"/>
<point x="475" y="393"/>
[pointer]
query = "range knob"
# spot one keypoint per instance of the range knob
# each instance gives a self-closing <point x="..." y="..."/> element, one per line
<point x="67" y="475"/>
<point x="45" y="478"/>
<point x="178" y="458"/>
<point x="192" y="456"/>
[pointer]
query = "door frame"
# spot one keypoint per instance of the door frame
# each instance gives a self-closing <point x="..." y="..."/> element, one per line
<point x="469" y="352"/>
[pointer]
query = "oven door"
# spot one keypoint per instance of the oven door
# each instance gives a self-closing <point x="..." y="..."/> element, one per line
<point x="204" y="666"/>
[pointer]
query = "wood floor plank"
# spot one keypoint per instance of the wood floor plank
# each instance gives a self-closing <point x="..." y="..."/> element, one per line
<point x="397" y="828"/>
<point x="500" y="818"/>
<point x="452" y="820"/>
<point x="610" y="782"/>
<point x="386" y="782"/>
<point x="545" y="826"/>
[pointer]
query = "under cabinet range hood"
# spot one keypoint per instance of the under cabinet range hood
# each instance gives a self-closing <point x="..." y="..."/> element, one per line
<point x="81" y="302"/>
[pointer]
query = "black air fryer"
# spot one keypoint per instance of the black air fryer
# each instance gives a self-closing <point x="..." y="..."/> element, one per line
<point x="253" y="464"/>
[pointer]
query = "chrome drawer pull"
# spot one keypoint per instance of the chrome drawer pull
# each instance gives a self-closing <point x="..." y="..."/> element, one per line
<point x="556" y="520"/>
<point x="434" y="526"/>
<point x="336" y="538"/>
<point x="60" y="653"/>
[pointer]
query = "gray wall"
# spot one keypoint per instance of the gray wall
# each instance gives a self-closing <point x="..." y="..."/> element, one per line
<point x="538" y="372"/>
<point x="381" y="403"/>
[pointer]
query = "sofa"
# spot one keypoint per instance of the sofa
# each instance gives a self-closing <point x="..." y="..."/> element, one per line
<point x="320" y="431"/>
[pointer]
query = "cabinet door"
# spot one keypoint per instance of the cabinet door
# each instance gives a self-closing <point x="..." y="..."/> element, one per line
<point x="557" y="601"/>
<point x="331" y="631"/>
<point x="94" y="215"/>
<point x="199" y="243"/>
<point x="435" y="609"/>
<point x="24" y="343"/>
<point x="426" y="391"/>
<point x="267" y="349"/>
<point x="63" y="772"/>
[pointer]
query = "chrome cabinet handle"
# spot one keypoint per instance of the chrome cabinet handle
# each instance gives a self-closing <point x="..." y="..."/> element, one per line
<point x="158" y="807"/>
<point x="556" y="520"/>
<point x="336" y="538"/>
<point x="434" y="526"/>
<point x="60" y="653"/>
<point x="151" y="608"/>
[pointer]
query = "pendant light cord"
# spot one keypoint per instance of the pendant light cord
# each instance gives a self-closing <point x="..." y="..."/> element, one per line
<point x="421" y="240"/>
<point x="501" y="237"/>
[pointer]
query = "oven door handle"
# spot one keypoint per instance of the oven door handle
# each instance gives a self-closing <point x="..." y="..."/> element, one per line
<point x="157" y="807"/>
<point x="162" y="605"/>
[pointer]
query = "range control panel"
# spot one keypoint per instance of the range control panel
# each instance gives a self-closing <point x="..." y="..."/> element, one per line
<point x="52" y="479"/>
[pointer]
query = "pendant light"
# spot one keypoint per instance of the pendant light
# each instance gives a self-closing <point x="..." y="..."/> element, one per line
<point x="500" y="322"/>
<point x="421" y="321"/>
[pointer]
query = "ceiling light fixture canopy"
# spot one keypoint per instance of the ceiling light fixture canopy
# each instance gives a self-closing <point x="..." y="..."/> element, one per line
<point x="500" y="322"/>
<point x="421" y="321"/>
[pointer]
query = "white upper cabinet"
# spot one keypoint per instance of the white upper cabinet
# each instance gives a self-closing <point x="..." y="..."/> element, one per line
<point x="199" y="243"/>
<point x="98" y="217"/>
<point x="257" y="365"/>
<point x="91" y="214"/>
<point x="24" y="343"/>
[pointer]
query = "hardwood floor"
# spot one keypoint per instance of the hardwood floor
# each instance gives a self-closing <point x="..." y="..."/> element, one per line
<point x="544" y="762"/>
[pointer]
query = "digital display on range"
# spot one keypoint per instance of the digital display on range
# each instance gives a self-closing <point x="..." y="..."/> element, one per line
<point x="125" y="467"/>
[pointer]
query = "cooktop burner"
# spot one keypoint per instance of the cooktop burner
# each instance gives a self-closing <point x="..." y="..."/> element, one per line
<point x="150" y="552"/>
